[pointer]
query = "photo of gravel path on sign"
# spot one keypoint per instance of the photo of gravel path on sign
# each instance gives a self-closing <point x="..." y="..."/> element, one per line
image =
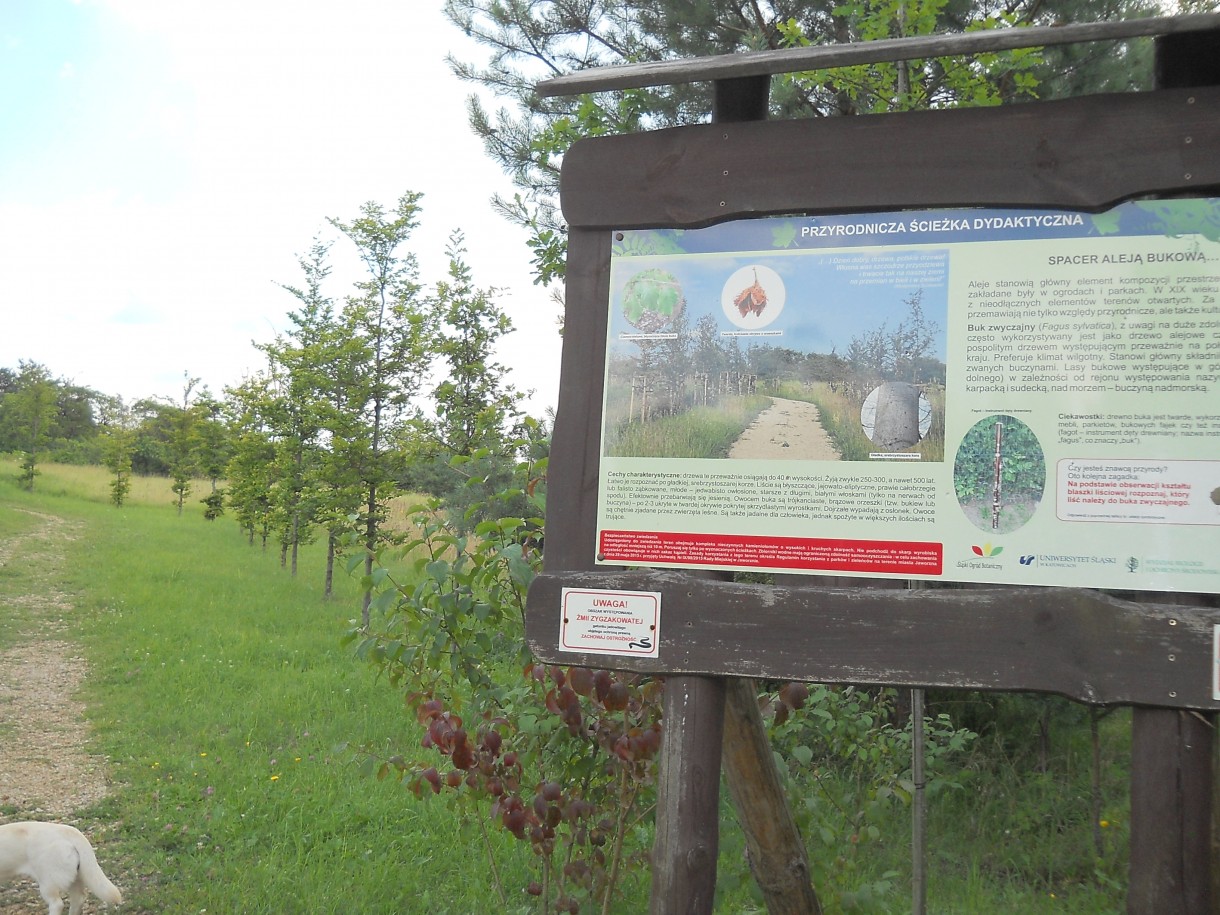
<point x="809" y="356"/>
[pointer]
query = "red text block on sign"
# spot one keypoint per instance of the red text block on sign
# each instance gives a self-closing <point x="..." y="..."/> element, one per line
<point x="812" y="554"/>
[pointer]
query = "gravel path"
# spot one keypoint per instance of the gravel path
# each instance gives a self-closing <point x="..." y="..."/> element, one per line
<point x="789" y="430"/>
<point x="45" y="771"/>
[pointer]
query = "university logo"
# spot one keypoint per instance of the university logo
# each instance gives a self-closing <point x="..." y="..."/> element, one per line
<point x="1028" y="560"/>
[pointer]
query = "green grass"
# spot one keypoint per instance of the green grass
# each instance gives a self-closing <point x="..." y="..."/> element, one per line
<point x="222" y="698"/>
<point x="14" y="523"/>
<point x="228" y="713"/>
<point x="701" y="432"/>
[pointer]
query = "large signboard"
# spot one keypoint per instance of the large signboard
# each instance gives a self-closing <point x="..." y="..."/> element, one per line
<point x="1000" y="396"/>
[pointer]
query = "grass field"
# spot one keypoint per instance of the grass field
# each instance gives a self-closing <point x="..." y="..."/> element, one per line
<point x="700" y="432"/>
<point x="224" y="704"/>
<point x="228" y="721"/>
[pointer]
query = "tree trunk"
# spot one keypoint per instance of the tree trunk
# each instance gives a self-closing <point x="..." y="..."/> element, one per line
<point x="296" y="541"/>
<point x="896" y="422"/>
<point x="370" y="546"/>
<point x="329" y="585"/>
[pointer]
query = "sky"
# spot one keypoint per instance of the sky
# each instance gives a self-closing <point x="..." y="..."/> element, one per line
<point x="164" y="164"/>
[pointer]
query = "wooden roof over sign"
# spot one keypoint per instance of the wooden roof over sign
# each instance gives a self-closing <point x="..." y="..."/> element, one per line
<point x="827" y="56"/>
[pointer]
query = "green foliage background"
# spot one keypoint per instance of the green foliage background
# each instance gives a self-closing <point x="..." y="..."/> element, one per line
<point x="1023" y="469"/>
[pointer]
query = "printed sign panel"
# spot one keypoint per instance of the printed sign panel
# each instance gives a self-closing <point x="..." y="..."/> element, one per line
<point x="611" y="622"/>
<point x="999" y="396"/>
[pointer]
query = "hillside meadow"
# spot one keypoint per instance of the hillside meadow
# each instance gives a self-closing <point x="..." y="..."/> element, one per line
<point x="229" y="724"/>
<point x="229" y="719"/>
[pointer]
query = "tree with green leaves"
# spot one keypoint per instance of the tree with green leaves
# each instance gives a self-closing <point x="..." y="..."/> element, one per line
<point x="212" y="451"/>
<point x="250" y="468"/>
<point x="469" y="441"/>
<point x="908" y="85"/>
<point x="118" y="440"/>
<point x="29" y="413"/>
<point x="313" y="366"/>
<point x="389" y="322"/>
<point x="474" y="405"/>
<point x="527" y="41"/>
<point x="183" y="440"/>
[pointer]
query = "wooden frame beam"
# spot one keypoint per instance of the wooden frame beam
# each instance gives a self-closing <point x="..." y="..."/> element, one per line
<point x="827" y="56"/>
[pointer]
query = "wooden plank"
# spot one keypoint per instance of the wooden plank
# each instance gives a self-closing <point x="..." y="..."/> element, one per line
<point x="572" y="477"/>
<point x="1046" y="154"/>
<point x="1081" y="644"/>
<point x="1170" y="813"/>
<point x="776" y="851"/>
<point x="828" y="56"/>
<point x="688" y="786"/>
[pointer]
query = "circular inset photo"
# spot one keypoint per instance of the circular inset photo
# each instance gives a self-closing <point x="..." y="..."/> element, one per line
<point x="999" y="474"/>
<point x="652" y="301"/>
<point x="753" y="297"/>
<point x="896" y="415"/>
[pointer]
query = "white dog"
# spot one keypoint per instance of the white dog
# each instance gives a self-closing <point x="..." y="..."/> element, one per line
<point x="60" y="859"/>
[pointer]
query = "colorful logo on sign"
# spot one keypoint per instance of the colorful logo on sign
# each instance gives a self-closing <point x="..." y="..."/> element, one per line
<point x="987" y="550"/>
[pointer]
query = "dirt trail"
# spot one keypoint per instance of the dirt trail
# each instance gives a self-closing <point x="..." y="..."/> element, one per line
<point x="789" y="430"/>
<point x="45" y="772"/>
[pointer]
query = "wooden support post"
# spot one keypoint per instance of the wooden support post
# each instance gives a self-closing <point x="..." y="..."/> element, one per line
<point x="741" y="99"/>
<point x="1192" y="59"/>
<point x="1171" y="751"/>
<point x="778" y="859"/>
<point x="688" y="797"/>
<point x="1171" y="769"/>
<point x="688" y="789"/>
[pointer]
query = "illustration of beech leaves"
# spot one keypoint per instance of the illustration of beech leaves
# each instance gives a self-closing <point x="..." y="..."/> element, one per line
<point x="652" y="297"/>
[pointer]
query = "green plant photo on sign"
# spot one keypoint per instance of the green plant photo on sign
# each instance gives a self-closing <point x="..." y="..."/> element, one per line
<point x="999" y="474"/>
<point x="652" y="300"/>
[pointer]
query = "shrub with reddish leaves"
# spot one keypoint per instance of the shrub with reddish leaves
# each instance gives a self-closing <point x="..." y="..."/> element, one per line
<point x="609" y="728"/>
<point x="561" y="758"/>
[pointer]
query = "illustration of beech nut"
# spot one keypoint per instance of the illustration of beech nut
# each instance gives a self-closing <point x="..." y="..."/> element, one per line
<point x="752" y="299"/>
<point x="1216" y="495"/>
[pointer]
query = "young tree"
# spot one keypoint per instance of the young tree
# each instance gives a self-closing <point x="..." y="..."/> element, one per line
<point x="465" y="452"/>
<point x="118" y="445"/>
<point x="250" y="470"/>
<point x="389" y="323"/>
<point x="900" y="353"/>
<point x="183" y="423"/>
<point x="212" y="452"/>
<point x="474" y="405"/>
<point x="29" y="414"/>
<point x="300" y="399"/>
